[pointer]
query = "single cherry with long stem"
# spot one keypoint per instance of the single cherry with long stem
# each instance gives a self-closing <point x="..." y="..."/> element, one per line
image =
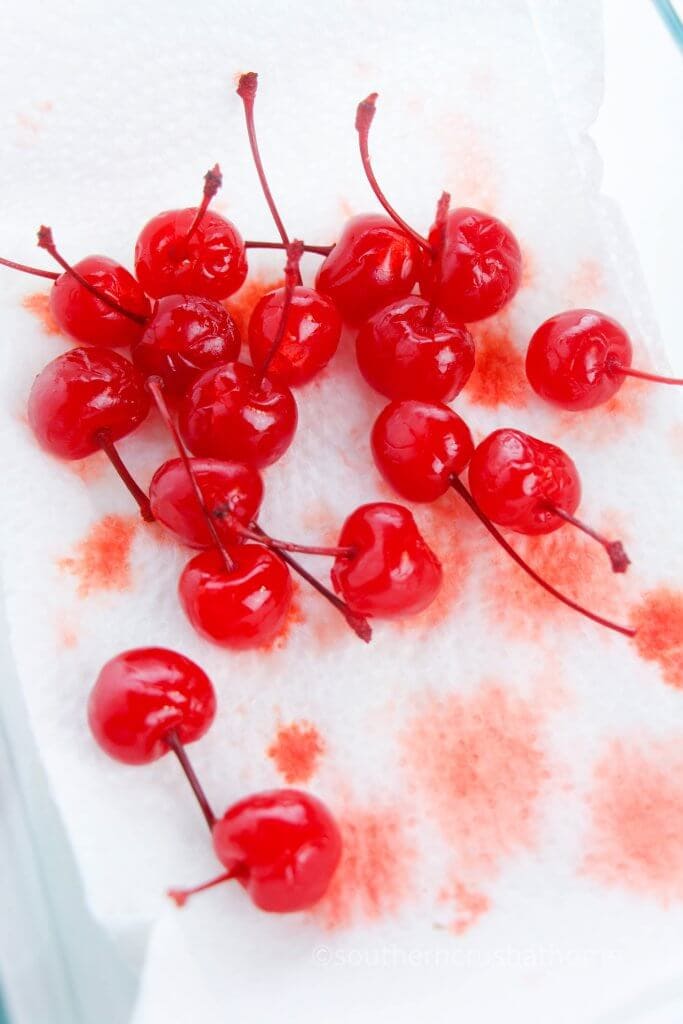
<point x="580" y="358"/>
<point x="149" y="701"/>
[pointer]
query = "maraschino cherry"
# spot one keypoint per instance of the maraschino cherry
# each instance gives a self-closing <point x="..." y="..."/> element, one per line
<point x="312" y="325"/>
<point x="283" y="846"/>
<point x="412" y="349"/>
<point x="531" y="487"/>
<point x="96" y="301"/>
<point x="580" y="359"/>
<point x="389" y="570"/>
<point x="236" y="412"/>
<point x="421" y="453"/>
<point x="185" y="336"/>
<point x="149" y="701"/>
<point x="85" y="400"/>
<point x="193" y="251"/>
<point x="481" y="267"/>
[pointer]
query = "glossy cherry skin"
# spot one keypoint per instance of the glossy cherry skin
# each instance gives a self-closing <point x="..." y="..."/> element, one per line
<point x="481" y="267"/>
<point x="141" y="695"/>
<point x="311" y="337"/>
<point x="186" y="336"/>
<point x="81" y="394"/>
<point x="402" y="354"/>
<point x="211" y="263"/>
<point x="243" y="608"/>
<point x="283" y="846"/>
<point x="223" y="484"/>
<point x="419" y="446"/>
<point x="89" y="320"/>
<point x="573" y="357"/>
<point x="373" y="263"/>
<point x="228" y="414"/>
<point x="392" y="572"/>
<point x="512" y="475"/>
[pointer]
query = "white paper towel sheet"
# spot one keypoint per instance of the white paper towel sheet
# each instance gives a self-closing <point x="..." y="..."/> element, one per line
<point x="508" y="776"/>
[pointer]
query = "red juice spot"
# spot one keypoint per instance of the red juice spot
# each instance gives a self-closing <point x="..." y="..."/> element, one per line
<point x="568" y="560"/>
<point x="295" y="617"/>
<point x="499" y="377"/>
<point x="241" y="305"/>
<point x="89" y="469"/>
<point x="373" y="879"/>
<point x="101" y="561"/>
<point x="296" y="751"/>
<point x="479" y="764"/>
<point x="39" y="305"/>
<point x="658" y="620"/>
<point x="635" y="839"/>
<point x="470" y="905"/>
<point x="452" y="533"/>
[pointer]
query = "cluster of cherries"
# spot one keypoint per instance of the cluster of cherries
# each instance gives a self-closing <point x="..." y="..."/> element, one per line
<point x="230" y="419"/>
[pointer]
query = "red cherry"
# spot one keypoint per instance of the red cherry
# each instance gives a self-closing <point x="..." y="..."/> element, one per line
<point x="403" y="352"/>
<point x="579" y="359"/>
<point x="244" y="606"/>
<point x="231" y="413"/>
<point x="283" y="846"/>
<point x="391" y="572"/>
<point x="85" y="397"/>
<point x="312" y="333"/>
<point x="142" y="695"/>
<point x="226" y="485"/>
<point x="419" y="446"/>
<point x="96" y="301"/>
<point x="186" y="335"/>
<point x="193" y="251"/>
<point x="481" y="268"/>
<point x="531" y="487"/>
<point x="372" y="264"/>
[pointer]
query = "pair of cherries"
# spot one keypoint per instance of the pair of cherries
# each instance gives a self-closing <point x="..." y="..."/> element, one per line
<point x="283" y="846"/>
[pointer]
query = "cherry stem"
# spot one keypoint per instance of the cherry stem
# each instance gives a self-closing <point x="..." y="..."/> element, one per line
<point x="460" y="489"/>
<point x="213" y="179"/>
<point x="615" y="366"/>
<point x="358" y="623"/>
<point x="107" y="445"/>
<point x="181" y="896"/>
<point x="175" y="744"/>
<point x="46" y="241"/>
<point x="294" y="254"/>
<point x="155" y="386"/>
<point x="223" y="512"/>
<point x="614" y="548"/>
<point x="319" y="250"/>
<point x="364" y="115"/>
<point x="246" y="90"/>
<point x="50" y="274"/>
<point x="437" y="254"/>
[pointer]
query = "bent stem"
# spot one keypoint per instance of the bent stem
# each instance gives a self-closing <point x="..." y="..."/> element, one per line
<point x="155" y="385"/>
<point x="213" y="179"/>
<point x="614" y="548"/>
<point x="437" y="254"/>
<point x="142" y="500"/>
<point x="365" y="113"/>
<point x="175" y="744"/>
<point x="294" y="253"/>
<point x="358" y="623"/>
<point x="50" y="274"/>
<point x="460" y="489"/>
<point x="319" y="250"/>
<point x="181" y="896"/>
<point x="46" y="241"/>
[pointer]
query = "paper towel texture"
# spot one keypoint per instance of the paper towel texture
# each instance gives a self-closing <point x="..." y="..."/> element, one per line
<point x="508" y="776"/>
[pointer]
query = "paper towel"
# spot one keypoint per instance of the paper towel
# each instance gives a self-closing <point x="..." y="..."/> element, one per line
<point x="480" y="895"/>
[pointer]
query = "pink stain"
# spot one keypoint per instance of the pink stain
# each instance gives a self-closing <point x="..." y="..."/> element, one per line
<point x="480" y="767"/>
<point x="499" y="376"/>
<point x="38" y="304"/>
<point x="469" y="906"/>
<point x="374" y="878"/>
<point x="101" y="561"/>
<point x="635" y="839"/>
<point x="658" y="619"/>
<point x="296" y="751"/>
<point x="241" y="305"/>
